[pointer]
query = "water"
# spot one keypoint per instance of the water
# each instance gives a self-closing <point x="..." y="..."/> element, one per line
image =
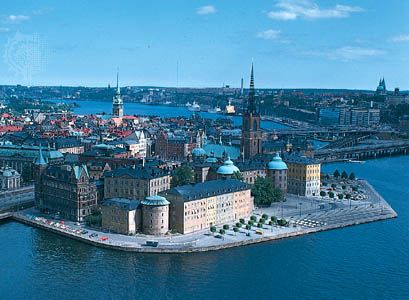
<point x="94" y="107"/>
<point x="369" y="261"/>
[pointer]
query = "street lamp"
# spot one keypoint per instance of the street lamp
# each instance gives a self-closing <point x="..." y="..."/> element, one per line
<point x="300" y="208"/>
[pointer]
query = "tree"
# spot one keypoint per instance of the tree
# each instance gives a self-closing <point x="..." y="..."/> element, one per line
<point x="273" y="219"/>
<point x="248" y="227"/>
<point x="253" y="218"/>
<point x="265" y="192"/>
<point x="262" y="221"/>
<point x="340" y="196"/>
<point x="348" y="196"/>
<point x="242" y="221"/>
<point x="222" y="231"/>
<point x="237" y="175"/>
<point x="352" y="176"/>
<point x="344" y="187"/>
<point x="235" y="229"/>
<point x="344" y="175"/>
<point x="226" y="227"/>
<point x="323" y="193"/>
<point x="331" y="195"/>
<point x="238" y="225"/>
<point x="183" y="175"/>
<point x="333" y="185"/>
<point x="265" y="216"/>
<point x="213" y="229"/>
<point x="336" y="174"/>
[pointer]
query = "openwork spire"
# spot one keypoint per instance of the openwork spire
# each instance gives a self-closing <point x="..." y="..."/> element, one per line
<point x="251" y="108"/>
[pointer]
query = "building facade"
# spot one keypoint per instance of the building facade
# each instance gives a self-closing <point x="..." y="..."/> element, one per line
<point x="9" y="179"/>
<point x="135" y="182"/>
<point x="121" y="215"/>
<point x="200" y="206"/>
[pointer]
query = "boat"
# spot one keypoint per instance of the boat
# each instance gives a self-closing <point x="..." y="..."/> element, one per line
<point x="356" y="161"/>
<point x="230" y="110"/>
<point x="215" y="110"/>
<point x="194" y="107"/>
<point x="188" y="104"/>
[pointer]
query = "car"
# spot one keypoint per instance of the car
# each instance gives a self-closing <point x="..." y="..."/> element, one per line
<point x="93" y="235"/>
<point x="84" y="231"/>
<point x="218" y="236"/>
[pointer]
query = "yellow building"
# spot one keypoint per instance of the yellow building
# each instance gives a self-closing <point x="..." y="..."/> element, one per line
<point x="216" y="202"/>
<point x="304" y="175"/>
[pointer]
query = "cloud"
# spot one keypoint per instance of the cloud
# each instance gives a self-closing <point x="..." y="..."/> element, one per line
<point x="15" y="19"/>
<point x="4" y="29"/>
<point x="348" y="53"/>
<point x="269" y="34"/>
<point x="294" y="9"/>
<point x="400" y="38"/>
<point x="206" y="10"/>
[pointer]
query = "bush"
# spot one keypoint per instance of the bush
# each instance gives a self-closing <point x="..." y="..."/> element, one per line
<point x="270" y="223"/>
<point x="340" y="196"/>
<point x="242" y="221"/>
<point x="259" y="225"/>
<point x="226" y="227"/>
<point x="282" y="222"/>
<point x="348" y="196"/>
<point x="248" y="227"/>
<point x="331" y="195"/>
<point x="213" y="229"/>
<point x="253" y="218"/>
<point x="262" y="221"/>
<point x="235" y="229"/>
<point x="323" y="193"/>
<point x="238" y="225"/>
<point x="250" y="222"/>
<point x="265" y="216"/>
<point x="222" y="231"/>
<point x="333" y="185"/>
<point x="273" y="219"/>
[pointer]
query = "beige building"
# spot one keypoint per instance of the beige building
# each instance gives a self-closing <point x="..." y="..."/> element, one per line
<point x="121" y="215"/>
<point x="304" y="175"/>
<point x="136" y="182"/>
<point x="216" y="202"/>
<point x="277" y="172"/>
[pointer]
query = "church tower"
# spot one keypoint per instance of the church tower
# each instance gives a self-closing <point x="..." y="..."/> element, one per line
<point x="251" y="136"/>
<point x="117" y="103"/>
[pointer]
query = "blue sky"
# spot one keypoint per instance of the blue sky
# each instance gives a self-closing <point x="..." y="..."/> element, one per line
<point x="293" y="43"/>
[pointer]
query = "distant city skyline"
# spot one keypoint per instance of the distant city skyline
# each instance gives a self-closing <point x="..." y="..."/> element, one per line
<point x="333" y="44"/>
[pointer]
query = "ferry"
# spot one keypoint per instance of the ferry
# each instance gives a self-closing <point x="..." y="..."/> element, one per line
<point x="230" y="109"/>
<point x="215" y="110"/>
<point x="356" y="161"/>
<point x="194" y="107"/>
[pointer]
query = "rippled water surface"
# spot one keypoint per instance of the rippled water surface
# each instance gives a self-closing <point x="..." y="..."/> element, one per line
<point x="369" y="261"/>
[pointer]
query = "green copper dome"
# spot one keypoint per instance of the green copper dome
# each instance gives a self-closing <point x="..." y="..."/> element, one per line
<point x="155" y="201"/>
<point x="228" y="168"/>
<point x="198" y="152"/>
<point x="277" y="163"/>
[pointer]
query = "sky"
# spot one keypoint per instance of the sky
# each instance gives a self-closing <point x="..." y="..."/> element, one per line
<point x="194" y="43"/>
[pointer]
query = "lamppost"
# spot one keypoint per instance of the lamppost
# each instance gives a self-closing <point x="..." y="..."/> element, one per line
<point x="300" y="208"/>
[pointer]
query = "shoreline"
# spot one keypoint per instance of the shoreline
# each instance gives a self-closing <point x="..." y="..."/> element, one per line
<point x="202" y="242"/>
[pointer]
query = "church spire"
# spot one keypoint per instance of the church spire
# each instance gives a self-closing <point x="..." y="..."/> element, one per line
<point x="118" y="91"/>
<point x="251" y="108"/>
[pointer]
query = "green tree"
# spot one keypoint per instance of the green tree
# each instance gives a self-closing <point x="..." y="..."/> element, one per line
<point x="336" y="174"/>
<point x="352" y="176"/>
<point x="242" y="221"/>
<point x="213" y="229"/>
<point x="253" y="218"/>
<point x="340" y="196"/>
<point x="331" y="195"/>
<point x="226" y="227"/>
<point x="237" y="175"/>
<point x="183" y="175"/>
<point x="323" y="193"/>
<point x="222" y="231"/>
<point x="265" y="216"/>
<point x="265" y="192"/>
<point x="273" y="219"/>
<point x="248" y="227"/>
<point x="239" y="225"/>
<point x="235" y="229"/>
<point x="344" y="175"/>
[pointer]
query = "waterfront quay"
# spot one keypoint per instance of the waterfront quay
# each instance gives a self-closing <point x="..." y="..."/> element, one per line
<point x="304" y="216"/>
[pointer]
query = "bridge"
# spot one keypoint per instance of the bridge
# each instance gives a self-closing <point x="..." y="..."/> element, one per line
<point x="377" y="148"/>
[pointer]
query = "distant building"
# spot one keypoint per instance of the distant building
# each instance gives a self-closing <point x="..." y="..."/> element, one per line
<point x="135" y="182"/>
<point x="397" y="98"/>
<point x="117" y="102"/>
<point x="329" y="116"/>
<point x="349" y="116"/>
<point x="381" y="89"/>
<point x="199" y="206"/>
<point x="9" y="179"/>
<point x="173" y="147"/>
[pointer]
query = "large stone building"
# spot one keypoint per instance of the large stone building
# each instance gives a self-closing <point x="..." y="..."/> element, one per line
<point x="66" y="190"/>
<point x="304" y="175"/>
<point x="173" y="147"/>
<point x="199" y="206"/>
<point x="121" y="215"/>
<point x="277" y="171"/>
<point x="135" y="182"/>
<point x="125" y="216"/>
<point x="251" y="140"/>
